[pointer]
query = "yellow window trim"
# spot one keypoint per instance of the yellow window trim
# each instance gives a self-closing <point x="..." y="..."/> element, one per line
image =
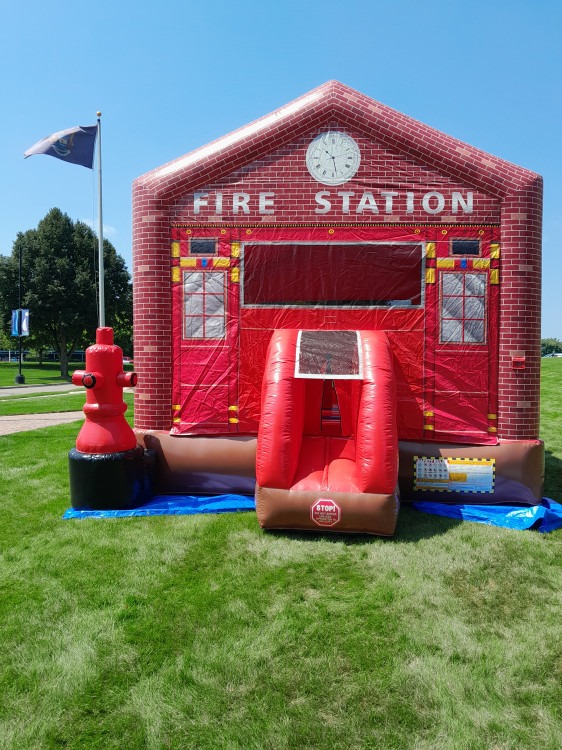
<point x="481" y="263"/>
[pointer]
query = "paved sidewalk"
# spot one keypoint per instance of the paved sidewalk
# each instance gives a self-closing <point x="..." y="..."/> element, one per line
<point x="24" y="390"/>
<point x="26" y="422"/>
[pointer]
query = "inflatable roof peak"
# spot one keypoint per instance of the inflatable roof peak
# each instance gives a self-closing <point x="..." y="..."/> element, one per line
<point x="335" y="104"/>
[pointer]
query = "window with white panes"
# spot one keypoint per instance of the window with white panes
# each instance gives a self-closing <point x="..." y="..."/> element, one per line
<point x="463" y="308"/>
<point x="204" y="304"/>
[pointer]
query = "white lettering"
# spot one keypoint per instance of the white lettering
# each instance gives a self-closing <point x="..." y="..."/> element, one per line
<point x="263" y="203"/>
<point x="322" y="201"/>
<point x="409" y="203"/>
<point x="388" y="196"/>
<point x="266" y="203"/>
<point x="367" y="203"/>
<point x="345" y="201"/>
<point x="466" y="205"/>
<point x="427" y="206"/>
<point x="199" y="199"/>
<point x="240" y="200"/>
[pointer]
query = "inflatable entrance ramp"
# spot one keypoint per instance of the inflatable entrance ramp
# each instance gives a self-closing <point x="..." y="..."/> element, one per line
<point x="327" y="449"/>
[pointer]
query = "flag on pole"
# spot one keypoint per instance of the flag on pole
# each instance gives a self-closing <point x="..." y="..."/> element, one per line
<point x="16" y="330"/>
<point x="75" y="145"/>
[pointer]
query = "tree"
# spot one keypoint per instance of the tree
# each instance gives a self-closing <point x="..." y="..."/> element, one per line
<point x="5" y="341"/>
<point x="550" y="346"/>
<point x="59" y="285"/>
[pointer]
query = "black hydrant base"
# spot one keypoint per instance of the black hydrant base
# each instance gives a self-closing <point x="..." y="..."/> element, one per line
<point x="108" y="481"/>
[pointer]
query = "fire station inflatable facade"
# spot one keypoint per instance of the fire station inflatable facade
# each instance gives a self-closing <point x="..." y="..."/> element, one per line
<point x="339" y="305"/>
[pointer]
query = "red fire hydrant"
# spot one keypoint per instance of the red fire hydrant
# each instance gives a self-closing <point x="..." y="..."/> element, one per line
<point x="105" y="429"/>
<point x="107" y="468"/>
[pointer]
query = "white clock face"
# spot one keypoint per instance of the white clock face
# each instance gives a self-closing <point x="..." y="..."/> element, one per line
<point x="333" y="158"/>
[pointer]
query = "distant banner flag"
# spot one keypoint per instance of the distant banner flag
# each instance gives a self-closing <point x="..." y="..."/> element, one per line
<point x="75" y="145"/>
<point x="16" y="323"/>
<point x="25" y="322"/>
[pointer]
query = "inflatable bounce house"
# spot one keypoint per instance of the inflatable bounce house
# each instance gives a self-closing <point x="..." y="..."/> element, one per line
<point x="338" y="307"/>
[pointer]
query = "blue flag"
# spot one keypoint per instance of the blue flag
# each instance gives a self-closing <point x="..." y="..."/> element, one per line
<point x="75" y="145"/>
<point x="16" y="323"/>
<point x="25" y="322"/>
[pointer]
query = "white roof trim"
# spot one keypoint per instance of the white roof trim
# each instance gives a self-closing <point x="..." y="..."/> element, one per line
<point x="238" y="135"/>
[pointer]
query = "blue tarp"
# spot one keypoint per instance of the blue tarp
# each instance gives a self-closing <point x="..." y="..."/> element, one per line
<point x="544" y="517"/>
<point x="173" y="505"/>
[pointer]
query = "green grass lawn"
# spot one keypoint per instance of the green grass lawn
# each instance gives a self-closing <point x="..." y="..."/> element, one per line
<point x="34" y="374"/>
<point x="204" y="632"/>
<point x="42" y="404"/>
<point x="551" y="424"/>
<point x="23" y="393"/>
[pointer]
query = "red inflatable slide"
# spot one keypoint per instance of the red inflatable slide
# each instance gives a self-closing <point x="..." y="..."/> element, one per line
<point x="327" y="449"/>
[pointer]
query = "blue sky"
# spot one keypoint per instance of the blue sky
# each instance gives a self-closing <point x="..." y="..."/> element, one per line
<point x="172" y="76"/>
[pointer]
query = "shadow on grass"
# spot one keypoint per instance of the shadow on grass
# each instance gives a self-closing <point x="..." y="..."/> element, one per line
<point x="553" y="477"/>
<point x="412" y="526"/>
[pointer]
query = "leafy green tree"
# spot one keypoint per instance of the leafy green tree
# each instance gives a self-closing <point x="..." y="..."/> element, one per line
<point x="8" y="300"/>
<point x="59" y="260"/>
<point x="5" y="341"/>
<point x="123" y="328"/>
<point x="550" y="346"/>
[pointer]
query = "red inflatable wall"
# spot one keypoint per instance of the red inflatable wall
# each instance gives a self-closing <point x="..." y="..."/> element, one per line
<point x="405" y="281"/>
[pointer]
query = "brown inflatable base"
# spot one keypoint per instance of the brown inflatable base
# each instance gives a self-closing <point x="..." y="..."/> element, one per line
<point x="359" y="513"/>
<point x="518" y="471"/>
<point x="212" y="465"/>
<point x="198" y="464"/>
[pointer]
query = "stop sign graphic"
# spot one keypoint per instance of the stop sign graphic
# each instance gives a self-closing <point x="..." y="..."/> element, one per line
<point x="325" y="512"/>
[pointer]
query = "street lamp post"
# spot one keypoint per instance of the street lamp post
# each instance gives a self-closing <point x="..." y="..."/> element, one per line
<point x="20" y="379"/>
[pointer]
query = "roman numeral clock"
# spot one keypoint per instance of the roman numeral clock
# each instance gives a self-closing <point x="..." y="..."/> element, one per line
<point x="333" y="158"/>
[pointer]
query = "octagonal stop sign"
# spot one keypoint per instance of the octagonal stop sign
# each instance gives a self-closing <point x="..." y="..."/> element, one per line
<point x="325" y="512"/>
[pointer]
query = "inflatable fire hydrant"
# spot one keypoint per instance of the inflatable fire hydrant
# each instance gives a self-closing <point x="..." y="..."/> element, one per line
<point x="107" y="467"/>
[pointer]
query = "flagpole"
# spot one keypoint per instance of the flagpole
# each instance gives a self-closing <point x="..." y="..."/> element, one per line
<point x="100" y="234"/>
<point x="20" y="379"/>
